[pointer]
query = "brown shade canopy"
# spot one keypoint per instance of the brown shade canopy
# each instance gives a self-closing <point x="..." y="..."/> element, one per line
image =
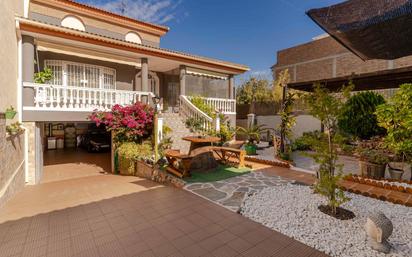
<point x="366" y="81"/>
<point x="371" y="29"/>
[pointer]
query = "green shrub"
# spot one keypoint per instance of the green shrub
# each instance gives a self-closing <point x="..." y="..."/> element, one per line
<point x="135" y="152"/>
<point x="200" y="103"/>
<point x="195" y="125"/>
<point x="358" y="117"/>
<point x="303" y="143"/>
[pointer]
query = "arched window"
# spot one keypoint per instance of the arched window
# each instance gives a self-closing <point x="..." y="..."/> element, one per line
<point x="133" y="37"/>
<point x="73" y="23"/>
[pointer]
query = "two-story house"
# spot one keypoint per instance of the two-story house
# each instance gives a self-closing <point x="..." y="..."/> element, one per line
<point x="99" y="59"/>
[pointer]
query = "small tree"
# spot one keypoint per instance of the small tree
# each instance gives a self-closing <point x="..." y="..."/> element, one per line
<point x="396" y="117"/>
<point x="327" y="108"/>
<point x="288" y="120"/>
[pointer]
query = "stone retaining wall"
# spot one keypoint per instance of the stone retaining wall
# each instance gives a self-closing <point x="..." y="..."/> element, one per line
<point x="12" y="177"/>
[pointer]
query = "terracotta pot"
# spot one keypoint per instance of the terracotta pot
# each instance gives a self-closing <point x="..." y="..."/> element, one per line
<point x="372" y="170"/>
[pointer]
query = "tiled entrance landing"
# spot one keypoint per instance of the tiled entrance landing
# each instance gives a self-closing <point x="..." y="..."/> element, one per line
<point x="125" y="216"/>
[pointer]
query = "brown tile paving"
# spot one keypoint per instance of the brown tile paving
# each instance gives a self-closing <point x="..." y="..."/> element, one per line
<point x="119" y="216"/>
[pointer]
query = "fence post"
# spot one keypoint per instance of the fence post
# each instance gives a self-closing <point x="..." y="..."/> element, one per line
<point x="217" y="122"/>
<point x="251" y="120"/>
<point x="159" y="129"/>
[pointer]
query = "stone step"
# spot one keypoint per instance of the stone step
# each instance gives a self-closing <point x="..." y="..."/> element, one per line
<point x="179" y="130"/>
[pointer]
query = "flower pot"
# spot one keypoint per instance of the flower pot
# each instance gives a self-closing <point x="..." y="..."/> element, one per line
<point x="10" y="114"/>
<point x="250" y="149"/>
<point x="372" y="170"/>
<point x="395" y="173"/>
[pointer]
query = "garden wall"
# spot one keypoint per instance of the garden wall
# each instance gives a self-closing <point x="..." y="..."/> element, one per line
<point x="304" y="123"/>
<point x="11" y="163"/>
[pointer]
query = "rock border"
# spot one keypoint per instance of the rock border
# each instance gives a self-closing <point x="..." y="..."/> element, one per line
<point x="380" y="183"/>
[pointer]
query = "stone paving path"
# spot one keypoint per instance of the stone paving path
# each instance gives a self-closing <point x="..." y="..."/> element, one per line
<point x="231" y="192"/>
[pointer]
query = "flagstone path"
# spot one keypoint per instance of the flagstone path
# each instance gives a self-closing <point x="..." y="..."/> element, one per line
<point x="231" y="192"/>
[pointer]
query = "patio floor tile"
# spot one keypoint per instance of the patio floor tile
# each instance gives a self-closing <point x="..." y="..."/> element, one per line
<point x="136" y="218"/>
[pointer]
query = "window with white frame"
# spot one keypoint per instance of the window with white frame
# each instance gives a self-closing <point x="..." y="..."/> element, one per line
<point x="74" y="74"/>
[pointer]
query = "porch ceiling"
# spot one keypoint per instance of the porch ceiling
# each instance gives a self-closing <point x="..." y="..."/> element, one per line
<point x="160" y="60"/>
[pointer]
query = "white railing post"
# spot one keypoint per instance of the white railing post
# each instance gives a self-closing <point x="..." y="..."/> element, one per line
<point x="70" y="98"/>
<point x="217" y="122"/>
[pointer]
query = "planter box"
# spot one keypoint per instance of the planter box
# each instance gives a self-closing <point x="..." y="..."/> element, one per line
<point x="372" y="170"/>
<point x="139" y="168"/>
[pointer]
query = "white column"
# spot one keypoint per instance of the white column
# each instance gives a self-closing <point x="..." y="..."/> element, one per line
<point x="231" y="87"/>
<point x="145" y="75"/>
<point x="182" y="80"/>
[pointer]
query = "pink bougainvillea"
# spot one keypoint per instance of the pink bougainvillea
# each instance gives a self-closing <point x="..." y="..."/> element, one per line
<point x="131" y="123"/>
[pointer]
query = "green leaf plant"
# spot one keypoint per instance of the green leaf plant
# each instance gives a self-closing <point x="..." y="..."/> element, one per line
<point x="327" y="107"/>
<point x="396" y="117"/>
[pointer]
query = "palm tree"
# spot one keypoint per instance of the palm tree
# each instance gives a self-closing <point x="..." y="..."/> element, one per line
<point x="253" y="132"/>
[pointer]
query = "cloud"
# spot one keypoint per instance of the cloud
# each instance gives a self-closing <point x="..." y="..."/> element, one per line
<point x="155" y="11"/>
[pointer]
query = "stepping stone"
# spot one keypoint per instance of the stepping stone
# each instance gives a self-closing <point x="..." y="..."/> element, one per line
<point x="242" y="189"/>
<point x="211" y="193"/>
<point x="228" y="188"/>
<point x="194" y="186"/>
<point x="235" y="200"/>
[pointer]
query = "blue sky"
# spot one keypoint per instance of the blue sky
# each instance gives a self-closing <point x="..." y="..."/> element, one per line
<point x="242" y="31"/>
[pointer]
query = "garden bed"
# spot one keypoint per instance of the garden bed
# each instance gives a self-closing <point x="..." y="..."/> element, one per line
<point x="293" y="210"/>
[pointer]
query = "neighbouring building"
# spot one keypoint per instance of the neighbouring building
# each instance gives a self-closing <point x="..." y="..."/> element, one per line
<point x="98" y="59"/>
<point x="326" y="61"/>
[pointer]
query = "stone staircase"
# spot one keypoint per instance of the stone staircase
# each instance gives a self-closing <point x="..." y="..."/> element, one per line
<point x="179" y="130"/>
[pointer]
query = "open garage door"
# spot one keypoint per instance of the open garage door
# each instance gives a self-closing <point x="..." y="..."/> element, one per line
<point x="74" y="150"/>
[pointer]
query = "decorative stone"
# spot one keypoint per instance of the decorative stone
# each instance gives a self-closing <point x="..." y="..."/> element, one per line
<point x="378" y="229"/>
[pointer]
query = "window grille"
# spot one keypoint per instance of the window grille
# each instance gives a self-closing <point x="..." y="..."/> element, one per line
<point x="74" y="74"/>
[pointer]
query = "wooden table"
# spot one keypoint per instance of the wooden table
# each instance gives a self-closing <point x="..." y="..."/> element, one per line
<point x="198" y="142"/>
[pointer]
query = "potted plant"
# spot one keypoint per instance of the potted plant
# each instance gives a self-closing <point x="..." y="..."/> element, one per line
<point x="14" y="128"/>
<point x="252" y="134"/>
<point x="10" y="113"/>
<point x="395" y="172"/>
<point x="396" y="117"/>
<point x="372" y="162"/>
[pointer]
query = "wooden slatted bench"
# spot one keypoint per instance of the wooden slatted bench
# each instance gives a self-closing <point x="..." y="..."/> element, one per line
<point x="226" y="153"/>
<point x="179" y="164"/>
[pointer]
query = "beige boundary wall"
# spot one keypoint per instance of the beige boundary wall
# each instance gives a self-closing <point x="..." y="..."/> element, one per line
<point x="304" y="123"/>
<point x="12" y="148"/>
<point x="12" y="178"/>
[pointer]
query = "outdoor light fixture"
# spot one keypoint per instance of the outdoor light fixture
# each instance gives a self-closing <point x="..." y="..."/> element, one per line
<point x="156" y="100"/>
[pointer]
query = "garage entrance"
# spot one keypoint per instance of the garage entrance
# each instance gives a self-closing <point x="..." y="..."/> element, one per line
<point x="74" y="150"/>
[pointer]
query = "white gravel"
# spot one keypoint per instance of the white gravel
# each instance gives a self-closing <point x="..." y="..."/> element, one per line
<point x="293" y="210"/>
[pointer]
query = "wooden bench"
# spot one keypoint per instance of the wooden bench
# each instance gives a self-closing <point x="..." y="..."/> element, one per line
<point x="179" y="164"/>
<point x="226" y="153"/>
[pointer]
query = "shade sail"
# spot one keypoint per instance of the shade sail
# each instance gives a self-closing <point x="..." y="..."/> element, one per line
<point x="371" y="29"/>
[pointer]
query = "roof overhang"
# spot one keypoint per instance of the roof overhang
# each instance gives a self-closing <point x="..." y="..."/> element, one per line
<point x="96" y="13"/>
<point x="366" y="81"/>
<point x="159" y="59"/>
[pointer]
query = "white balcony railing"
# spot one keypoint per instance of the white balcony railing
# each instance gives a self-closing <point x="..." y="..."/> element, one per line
<point x="225" y="106"/>
<point x="189" y="111"/>
<point x="56" y="97"/>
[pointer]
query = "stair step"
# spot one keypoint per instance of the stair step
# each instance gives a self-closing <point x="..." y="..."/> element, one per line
<point x="179" y="130"/>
